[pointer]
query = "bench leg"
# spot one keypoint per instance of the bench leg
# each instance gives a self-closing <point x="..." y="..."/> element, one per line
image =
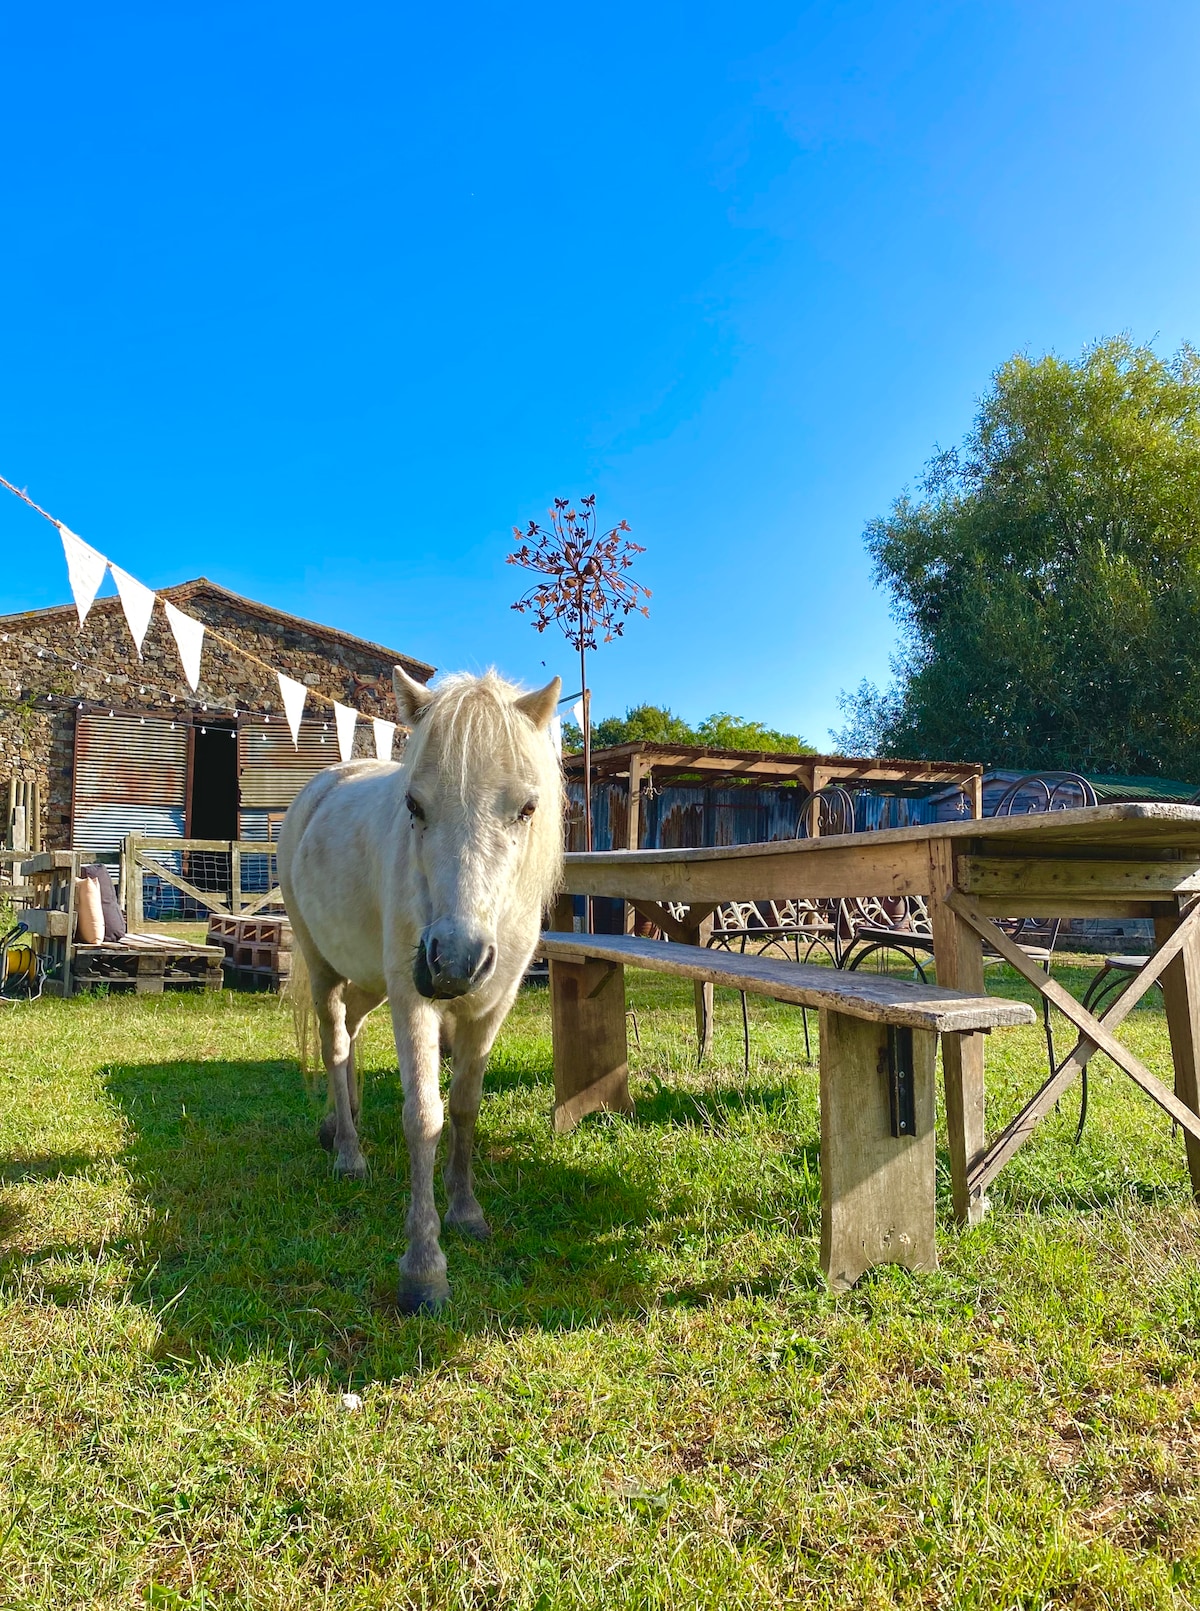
<point x="877" y="1191"/>
<point x="591" y="1056"/>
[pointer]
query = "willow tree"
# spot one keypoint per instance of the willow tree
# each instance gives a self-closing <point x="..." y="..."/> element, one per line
<point x="584" y="589"/>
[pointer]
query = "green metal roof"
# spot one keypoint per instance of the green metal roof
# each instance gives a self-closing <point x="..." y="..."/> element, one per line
<point x="1109" y="789"/>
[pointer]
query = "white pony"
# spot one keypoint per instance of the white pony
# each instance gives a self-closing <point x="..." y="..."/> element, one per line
<point x="424" y="883"/>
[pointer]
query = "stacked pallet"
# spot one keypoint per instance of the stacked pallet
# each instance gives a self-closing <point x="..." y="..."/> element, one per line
<point x="147" y="965"/>
<point x="258" y="950"/>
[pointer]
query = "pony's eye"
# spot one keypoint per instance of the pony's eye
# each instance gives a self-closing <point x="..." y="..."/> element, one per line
<point x="415" y="807"/>
<point x="526" y="811"/>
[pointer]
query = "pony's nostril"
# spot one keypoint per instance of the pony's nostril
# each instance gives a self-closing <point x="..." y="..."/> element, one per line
<point x="485" y="964"/>
<point x="431" y="951"/>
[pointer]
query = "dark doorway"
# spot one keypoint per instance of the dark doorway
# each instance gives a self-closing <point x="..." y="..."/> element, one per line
<point x="214" y="801"/>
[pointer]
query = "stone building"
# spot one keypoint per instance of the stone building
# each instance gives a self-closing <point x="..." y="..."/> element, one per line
<point x="95" y="743"/>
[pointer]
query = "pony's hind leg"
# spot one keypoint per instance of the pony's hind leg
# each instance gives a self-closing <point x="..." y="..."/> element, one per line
<point x="356" y="1004"/>
<point x="472" y="1043"/>
<point x="348" y="1160"/>
<point x="423" y="1284"/>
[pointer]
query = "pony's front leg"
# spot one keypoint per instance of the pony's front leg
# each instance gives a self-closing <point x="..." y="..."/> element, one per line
<point x="472" y="1042"/>
<point x="423" y="1283"/>
<point x="348" y="1160"/>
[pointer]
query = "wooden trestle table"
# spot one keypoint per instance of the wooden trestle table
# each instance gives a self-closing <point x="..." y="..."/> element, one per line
<point x="1098" y="861"/>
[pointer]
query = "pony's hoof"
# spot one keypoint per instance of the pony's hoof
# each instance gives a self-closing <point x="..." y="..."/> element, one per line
<point x="428" y="1297"/>
<point x="473" y="1225"/>
<point x="354" y="1168"/>
<point x="326" y="1131"/>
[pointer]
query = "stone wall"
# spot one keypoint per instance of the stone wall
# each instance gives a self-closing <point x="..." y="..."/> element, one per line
<point x="49" y="666"/>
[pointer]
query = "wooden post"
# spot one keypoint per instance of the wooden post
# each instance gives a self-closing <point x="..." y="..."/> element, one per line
<point x="1181" y="997"/>
<point x="975" y="794"/>
<point x="699" y="934"/>
<point x="235" y="878"/>
<point x="958" y="957"/>
<point x="9" y="840"/>
<point x="633" y="830"/>
<point x="591" y="1056"/>
<point x="819" y="780"/>
<point x="134" y="916"/>
<point x="563" y="917"/>
<point x="877" y="1190"/>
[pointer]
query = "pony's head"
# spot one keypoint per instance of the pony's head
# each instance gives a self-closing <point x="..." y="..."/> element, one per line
<point x="483" y="804"/>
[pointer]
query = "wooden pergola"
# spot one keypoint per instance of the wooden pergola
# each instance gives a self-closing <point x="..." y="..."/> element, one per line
<point x="644" y="765"/>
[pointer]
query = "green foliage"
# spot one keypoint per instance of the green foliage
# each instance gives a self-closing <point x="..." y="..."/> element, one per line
<point x="1047" y="577"/>
<point x="655" y="724"/>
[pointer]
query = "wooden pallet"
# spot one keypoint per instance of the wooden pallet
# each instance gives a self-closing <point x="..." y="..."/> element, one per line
<point x="146" y="968"/>
<point x="257" y="950"/>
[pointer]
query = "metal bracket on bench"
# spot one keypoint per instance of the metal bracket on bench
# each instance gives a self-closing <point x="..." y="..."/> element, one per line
<point x="902" y="1109"/>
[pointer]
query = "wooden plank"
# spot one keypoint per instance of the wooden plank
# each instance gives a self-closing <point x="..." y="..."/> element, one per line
<point x="1091" y="1026"/>
<point x="958" y="958"/>
<point x="1089" y="878"/>
<point x="846" y="865"/>
<point x="46" y="923"/>
<point x="877" y="1190"/>
<point x="1019" y="1129"/>
<point x="48" y="861"/>
<point x="876" y="996"/>
<point x="203" y="897"/>
<point x="591" y="1056"/>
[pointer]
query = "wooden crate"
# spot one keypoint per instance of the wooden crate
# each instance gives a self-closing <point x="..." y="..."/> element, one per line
<point x="257" y="950"/>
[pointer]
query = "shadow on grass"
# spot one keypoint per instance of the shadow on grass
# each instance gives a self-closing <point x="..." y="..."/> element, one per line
<point x="251" y="1247"/>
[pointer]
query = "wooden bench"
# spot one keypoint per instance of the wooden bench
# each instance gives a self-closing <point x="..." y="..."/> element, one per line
<point x="878" y="1043"/>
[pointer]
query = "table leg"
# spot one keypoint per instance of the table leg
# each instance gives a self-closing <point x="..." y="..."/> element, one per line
<point x="1181" y="996"/>
<point x="699" y="934"/>
<point x="591" y="1054"/>
<point x="958" y="957"/>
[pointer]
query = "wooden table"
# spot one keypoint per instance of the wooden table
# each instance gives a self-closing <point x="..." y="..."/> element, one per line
<point x="1100" y="861"/>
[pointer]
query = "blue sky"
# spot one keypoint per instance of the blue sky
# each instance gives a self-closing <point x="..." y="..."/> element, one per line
<point x="319" y="302"/>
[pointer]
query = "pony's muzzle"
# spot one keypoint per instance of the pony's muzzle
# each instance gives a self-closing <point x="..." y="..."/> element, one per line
<point x="452" y="962"/>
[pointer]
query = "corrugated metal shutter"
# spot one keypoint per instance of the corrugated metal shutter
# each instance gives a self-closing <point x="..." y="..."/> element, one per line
<point x="130" y="777"/>
<point x="272" y="771"/>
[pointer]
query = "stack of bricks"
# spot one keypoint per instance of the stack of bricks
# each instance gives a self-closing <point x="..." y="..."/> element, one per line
<point x="258" y="950"/>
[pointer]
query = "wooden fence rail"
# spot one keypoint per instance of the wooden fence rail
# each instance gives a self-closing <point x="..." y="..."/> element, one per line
<point x="141" y="856"/>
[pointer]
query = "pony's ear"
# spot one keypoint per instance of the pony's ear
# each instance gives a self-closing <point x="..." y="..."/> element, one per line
<point x="411" y="696"/>
<point x="540" y="706"/>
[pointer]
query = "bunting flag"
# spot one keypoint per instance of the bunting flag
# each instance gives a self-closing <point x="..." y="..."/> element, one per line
<point x="345" y="719"/>
<point x="384" y="733"/>
<point x="293" y="694"/>
<point x="554" y="732"/>
<point x="85" y="567"/>
<point x="577" y="712"/>
<point x="189" y="640"/>
<point x="137" y="601"/>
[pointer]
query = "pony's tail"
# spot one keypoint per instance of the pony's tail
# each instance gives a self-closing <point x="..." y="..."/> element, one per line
<point x="299" y="995"/>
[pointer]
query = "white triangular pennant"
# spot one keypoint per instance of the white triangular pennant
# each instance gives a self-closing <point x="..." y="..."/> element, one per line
<point x="384" y="733"/>
<point x="293" y="694"/>
<point x="554" y="733"/>
<point x="189" y="640"/>
<point x="345" y="719"/>
<point x="85" y="568"/>
<point x="138" y="603"/>
<point x="577" y="712"/>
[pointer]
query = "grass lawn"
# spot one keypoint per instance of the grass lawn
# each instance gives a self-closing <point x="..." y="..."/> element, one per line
<point x="642" y="1395"/>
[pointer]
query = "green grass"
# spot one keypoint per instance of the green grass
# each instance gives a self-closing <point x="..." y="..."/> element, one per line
<point x="642" y="1395"/>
